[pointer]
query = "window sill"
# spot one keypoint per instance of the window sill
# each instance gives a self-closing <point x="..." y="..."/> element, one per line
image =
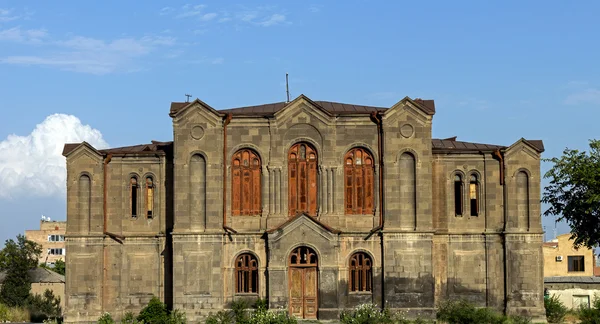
<point x="360" y="293"/>
<point x="247" y="294"/>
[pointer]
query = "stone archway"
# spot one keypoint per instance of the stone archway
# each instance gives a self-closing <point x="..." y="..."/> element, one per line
<point x="303" y="283"/>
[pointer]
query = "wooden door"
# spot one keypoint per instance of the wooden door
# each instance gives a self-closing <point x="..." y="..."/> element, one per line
<point x="302" y="179"/>
<point x="303" y="292"/>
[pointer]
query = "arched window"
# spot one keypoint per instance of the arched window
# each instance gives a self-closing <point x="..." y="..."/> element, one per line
<point x="522" y="199"/>
<point x="458" y="195"/>
<point x="302" y="179"/>
<point x="474" y="195"/>
<point x="133" y="196"/>
<point x="149" y="197"/>
<point x="361" y="272"/>
<point x="246" y="187"/>
<point x="84" y="201"/>
<point x="358" y="187"/>
<point x="246" y="271"/>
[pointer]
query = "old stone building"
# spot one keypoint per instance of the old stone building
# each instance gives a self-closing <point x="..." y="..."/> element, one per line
<point x="317" y="206"/>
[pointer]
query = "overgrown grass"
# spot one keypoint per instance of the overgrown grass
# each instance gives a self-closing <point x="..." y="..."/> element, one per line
<point x="13" y="314"/>
<point x="463" y="312"/>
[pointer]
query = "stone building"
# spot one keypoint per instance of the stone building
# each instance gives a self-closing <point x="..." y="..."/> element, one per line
<point x="51" y="236"/>
<point x="317" y="206"/>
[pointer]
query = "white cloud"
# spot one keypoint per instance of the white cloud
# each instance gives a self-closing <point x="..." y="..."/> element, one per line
<point x="33" y="165"/>
<point x="208" y="16"/>
<point x="275" y="19"/>
<point x="16" y="34"/>
<point x="165" y="11"/>
<point x="191" y="11"/>
<point x="585" y="96"/>
<point x="95" y="56"/>
<point x="7" y="15"/>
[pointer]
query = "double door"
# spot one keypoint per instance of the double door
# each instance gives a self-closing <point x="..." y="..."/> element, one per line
<point x="303" y="292"/>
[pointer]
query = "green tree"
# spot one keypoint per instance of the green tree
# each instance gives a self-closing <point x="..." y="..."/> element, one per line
<point x="574" y="193"/>
<point x="59" y="267"/>
<point x="16" y="259"/>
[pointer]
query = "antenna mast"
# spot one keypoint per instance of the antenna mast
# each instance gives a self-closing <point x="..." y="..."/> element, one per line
<point x="287" y="88"/>
<point x="187" y="97"/>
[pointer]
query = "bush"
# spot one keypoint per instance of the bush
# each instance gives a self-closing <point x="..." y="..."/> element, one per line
<point x="154" y="313"/>
<point x="106" y="318"/>
<point x="177" y="317"/>
<point x="369" y="314"/>
<point x="128" y="318"/>
<point x="463" y="312"/>
<point x="44" y="307"/>
<point x="555" y="309"/>
<point x="221" y="317"/>
<point x="590" y="315"/>
<point x="240" y="314"/>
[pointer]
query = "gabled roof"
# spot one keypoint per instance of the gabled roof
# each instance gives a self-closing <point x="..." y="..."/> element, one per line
<point x="538" y="145"/>
<point x="313" y="219"/>
<point x="334" y="108"/>
<point x="451" y="145"/>
<point x="70" y="147"/>
<point x="40" y="275"/>
<point x="152" y="148"/>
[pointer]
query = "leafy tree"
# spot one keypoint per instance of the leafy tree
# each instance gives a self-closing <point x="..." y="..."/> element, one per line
<point x="574" y="193"/>
<point x="16" y="259"/>
<point x="44" y="307"/>
<point x="154" y="313"/>
<point x="59" y="266"/>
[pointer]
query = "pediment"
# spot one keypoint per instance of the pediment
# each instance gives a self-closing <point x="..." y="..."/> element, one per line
<point x="303" y="108"/>
<point x="522" y="146"/>
<point x="403" y="107"/>
<point x="83" y="149"/>
<point x="303" y="226"/>
<point x="198" y="110"/>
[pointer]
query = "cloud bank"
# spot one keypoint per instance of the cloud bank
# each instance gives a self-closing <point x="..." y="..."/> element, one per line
<point x="33" y="165"/>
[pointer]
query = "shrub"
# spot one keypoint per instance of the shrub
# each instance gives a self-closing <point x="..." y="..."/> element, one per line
<point x="240" y="311"/>
<point x="106" y="318"/>
<point x="369" y="314"/>
<point x="463" y="312"/>
<point x="266" y="316"/>
<point x="129" y="318"/>
<point x="555" y="309"/>
<point x="177" y="317"/>
<point x="44" y="307"/>
<point x="154" y="313"/>
<point x="221" y="317"/>
<point x="590" y="315"/>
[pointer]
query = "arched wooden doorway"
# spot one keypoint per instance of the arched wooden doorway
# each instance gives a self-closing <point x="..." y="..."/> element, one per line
<point x="303" y="283"/>
<point x="302" y="179"/>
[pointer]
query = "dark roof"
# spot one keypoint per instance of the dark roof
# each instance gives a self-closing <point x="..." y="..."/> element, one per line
<point x="537" y="144"/>
<point x="153" y="148"/>
<point x="40" y="275"/>
<point x="452" y="145"/>
<point x="335" y="108"/>
<point x="290" y="220"/>
<point x="572" y="279"/>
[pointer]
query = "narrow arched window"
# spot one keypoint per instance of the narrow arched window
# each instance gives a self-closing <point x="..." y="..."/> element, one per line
<point x="246" y="186"/>
<point x="361" y="272"/>
<point x="85" y="202"/>
<point x="522" y="199"/>
<point x="302" y="179"/>
<point x="458" y="195"/>
<point x="149" y="197"/>
<point x="246" y="271"/>
<point x="474" y="195"/>
<point x="359" y="186"/>
<point x="133" y="196"/>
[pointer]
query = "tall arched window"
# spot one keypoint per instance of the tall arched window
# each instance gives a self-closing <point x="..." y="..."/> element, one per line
<point x="133" y="196"/>
<point x="84" y="202"/>
<point x="458" y="195"/>
<point x="474" y="194"/>
<point x="302" y="179"/>
<point x="522" y="199"/>
<point x="358" y="186"/>
<point x="149" y="197"/>
<point x="361" y="272"/>
<point x="246" y="272"/>
<point x="246" y="187"/>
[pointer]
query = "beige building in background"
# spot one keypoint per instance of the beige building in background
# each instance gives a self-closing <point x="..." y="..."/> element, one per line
<point x="42" y="280"/>
<point x="51" y="236"/>
<point x="561" y="258"/>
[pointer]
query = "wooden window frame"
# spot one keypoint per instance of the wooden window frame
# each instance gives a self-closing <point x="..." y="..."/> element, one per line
<point x="458" y="195"/>
<point x="303" y="184"/>
<point x="150" y="193"/>
<point x="576" y="263"/>
<point x="246" y="274"/>
<point x="246" y="183"/>
<point x="360" y="273"/>
<point x="474" y="202"/>
<point x="359" y="182"/>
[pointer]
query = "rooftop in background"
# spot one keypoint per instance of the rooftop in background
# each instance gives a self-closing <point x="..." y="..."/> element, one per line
<point x="40" y="275"/>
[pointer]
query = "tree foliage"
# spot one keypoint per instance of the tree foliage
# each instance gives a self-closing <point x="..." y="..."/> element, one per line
<point x="16" y="259"/>
<point x="59" y="267"/>
<point x="574" y="193"/>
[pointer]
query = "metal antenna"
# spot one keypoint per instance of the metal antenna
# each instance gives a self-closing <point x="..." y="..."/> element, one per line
<point x="287" y="88"/>
<point x="187" y="97"/>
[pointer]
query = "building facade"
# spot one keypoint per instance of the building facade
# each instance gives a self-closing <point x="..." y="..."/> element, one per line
<point x="561" y="258"/>
<point x="316" y="206"/>
<point x="51" y="236"/>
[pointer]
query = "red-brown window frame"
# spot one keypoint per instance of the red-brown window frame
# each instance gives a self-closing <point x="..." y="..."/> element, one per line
<point x="360" y="272"/>
<point x="359" y="182"/>
<point x="474" y="194"/>
<point x="302" y="190"/>
<point x="246" y="167"/>
<point x="246" y="274"/>
<point x="150" y="194"/>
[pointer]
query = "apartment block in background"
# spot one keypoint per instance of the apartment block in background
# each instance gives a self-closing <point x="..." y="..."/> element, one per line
<point x="51" y="236"/>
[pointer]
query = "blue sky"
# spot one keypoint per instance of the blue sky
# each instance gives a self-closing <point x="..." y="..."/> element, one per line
<point x="106" y="72"/>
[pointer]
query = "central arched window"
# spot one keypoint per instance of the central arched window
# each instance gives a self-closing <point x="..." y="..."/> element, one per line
<point x="458" y="195"/>
<point x="302" y="179"/>
<point x="133" y="196"/>
<point x="149" y="197"/>
<point x="246" y="187"/>
<point x="358" y="185"/>
<point x="246" y="271"/>
<point x="361" y="272"/>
